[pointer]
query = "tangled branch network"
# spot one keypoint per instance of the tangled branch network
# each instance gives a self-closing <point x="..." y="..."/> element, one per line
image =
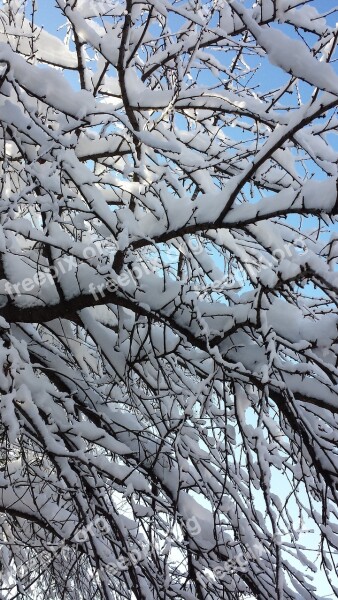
<point x="168" y="300"/>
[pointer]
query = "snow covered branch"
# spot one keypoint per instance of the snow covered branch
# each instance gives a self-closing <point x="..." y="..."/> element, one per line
<point x="168" y="300"/>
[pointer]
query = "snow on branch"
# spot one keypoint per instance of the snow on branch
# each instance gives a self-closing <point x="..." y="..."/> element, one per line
<point x="168" y="300"/>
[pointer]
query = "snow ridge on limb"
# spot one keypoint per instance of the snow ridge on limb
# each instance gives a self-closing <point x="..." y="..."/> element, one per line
<point x="168" y="300"/>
